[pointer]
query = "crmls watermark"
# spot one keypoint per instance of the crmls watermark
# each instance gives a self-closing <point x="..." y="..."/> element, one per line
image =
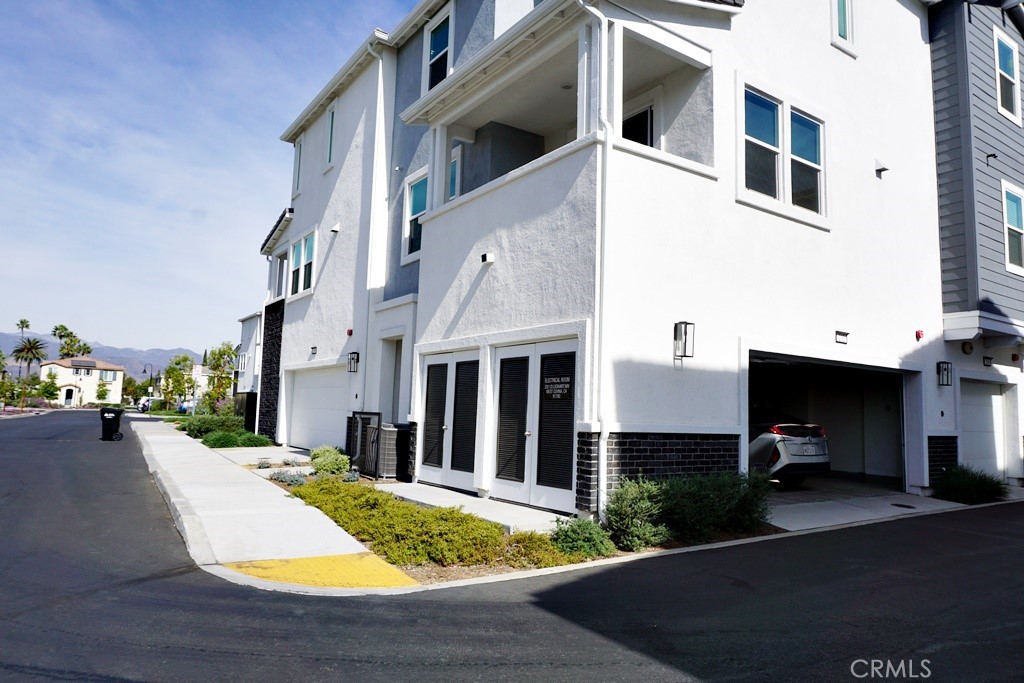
<point x="887" y="668"/>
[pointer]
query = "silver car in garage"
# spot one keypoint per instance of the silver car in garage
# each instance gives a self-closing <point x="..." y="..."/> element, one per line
<point x="788" y="449"/>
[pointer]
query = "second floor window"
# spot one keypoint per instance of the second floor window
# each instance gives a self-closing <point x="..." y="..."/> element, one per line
<point x="1007" y="77"/>
<point x="1013" y="217"/>
<point x="330" y="136"/>
<point x="297" y="167"/>
<point x="416" y="201"/>
<point x="437" y="58"/>
<point x="792" y="172"/>
<point x="302" y="264"/>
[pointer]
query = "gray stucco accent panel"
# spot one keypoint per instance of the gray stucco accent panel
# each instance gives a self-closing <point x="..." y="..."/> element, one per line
<point x="474" y="28"/>
<point x="999" y="291"/>
<point x="497" y="150"/>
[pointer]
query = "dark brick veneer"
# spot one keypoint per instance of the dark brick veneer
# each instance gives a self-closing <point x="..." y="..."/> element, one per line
<point x="586" y="471"/>
<point x="657" y="456"/>
<point x="270" y="375"/>
<point x="943" y="452"/>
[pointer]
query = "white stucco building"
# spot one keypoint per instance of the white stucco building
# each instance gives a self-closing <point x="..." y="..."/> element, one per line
<point x="79" y="380"/>
<point x="501" y="213"/>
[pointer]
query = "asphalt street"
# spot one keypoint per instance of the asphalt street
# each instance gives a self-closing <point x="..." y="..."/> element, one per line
<point x="96" y="585"/>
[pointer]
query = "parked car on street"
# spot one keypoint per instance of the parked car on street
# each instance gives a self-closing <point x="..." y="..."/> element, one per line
<point x="788" y="449"/>
<point x="186" y="405"/>
<point x="143" y="404"/>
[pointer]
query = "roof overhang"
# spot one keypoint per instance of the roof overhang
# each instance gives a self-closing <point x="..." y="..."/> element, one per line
<point x="488" y="65"/>
<point x="283" y="221"/>
<point x="994" y="330"/>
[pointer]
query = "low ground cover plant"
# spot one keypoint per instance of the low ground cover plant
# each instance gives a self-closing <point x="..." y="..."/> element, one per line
<point x="198" y="426"/>
<point x="582" y="537"/>
<point x="693" y="509"/>
<point x="969" y="486"/>
<point x="235" y="439"/>
<point x="329" y="460"/>
<point x="406" y="534"/>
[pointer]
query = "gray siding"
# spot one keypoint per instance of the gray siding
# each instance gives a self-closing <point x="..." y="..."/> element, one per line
<point x="954" y="224"/>
<point x="999" y="291"/>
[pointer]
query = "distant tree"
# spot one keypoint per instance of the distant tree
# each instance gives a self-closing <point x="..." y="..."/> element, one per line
<point x="70" y="344"/>
<point x="28" y="351"/>
<point x="22" y="326"/>
<point x="130" y="389"/>
<point x="221" y="365"/>
<point x="49" y="388"/>
<point x="178" y="380"/>
<point x="102" y="391"/>
<point x="204" y="358"/>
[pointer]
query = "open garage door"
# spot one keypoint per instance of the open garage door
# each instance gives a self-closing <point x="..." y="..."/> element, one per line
<point x="860" y="408"/>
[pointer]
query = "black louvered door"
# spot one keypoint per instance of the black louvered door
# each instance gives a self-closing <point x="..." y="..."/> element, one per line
<point x="464" y="416"/>
<point x="513" y="400"/>
<point x="433" y="415"/>
<point x="556" y="420"/>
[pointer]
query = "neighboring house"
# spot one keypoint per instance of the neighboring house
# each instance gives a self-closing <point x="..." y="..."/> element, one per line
<point x="561" y="244"/>
<point x="247" y="368"/>
<point x="79" y="379"/>
<point x="976" y="56"/>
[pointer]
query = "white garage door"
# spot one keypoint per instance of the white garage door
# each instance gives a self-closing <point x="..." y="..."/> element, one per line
<point x="318" y="409"/>
<point x="981" y="427"/>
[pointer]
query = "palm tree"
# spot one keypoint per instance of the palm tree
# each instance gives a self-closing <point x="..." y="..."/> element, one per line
<point x="26" y="351"/>
<point x="29" y="350"/>
<point x="22" y="325"/>
<point x="61" y="331"/>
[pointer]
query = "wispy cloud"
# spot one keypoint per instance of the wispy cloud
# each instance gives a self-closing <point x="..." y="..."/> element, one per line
<point x="140" y="166"/>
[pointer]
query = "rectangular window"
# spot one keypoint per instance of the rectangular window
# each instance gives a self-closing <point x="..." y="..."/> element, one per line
<point x="302" y="253"/>
<point x="1007" y="77"/>
<point x="107" y="375"/>
<point x="330" y="136"/>
<point x="454" y="177"/>
<point x="416" y="200"/>
<point x="1013" y="219"/>
<point x="640" y="127"/>
<point x="437" y="49"/>
<point x="281" y="274"/>
<point x="762" y="144"/>
<point x="297" y="167"/>
<point x="843" y="19"/>
<point x="88" y="373"/>
<point x="296" y="261"/>
<point x="782" y="152"/>
<point x="76" y="371"/>
<point x="307" y="262"/>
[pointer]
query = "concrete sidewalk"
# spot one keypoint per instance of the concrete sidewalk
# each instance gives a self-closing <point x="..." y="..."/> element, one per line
<point x="235" y="523"/>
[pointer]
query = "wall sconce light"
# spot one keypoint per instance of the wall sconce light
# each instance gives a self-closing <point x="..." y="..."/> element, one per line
<point x="487" y="258"/>
<point x="842" y="337"/>
<point x="682" y="340"/>
<point x="986" y="361"/>
<point x="312" y="350"/>
<point x="944" y="369"/>
<point x="353" y="361"/>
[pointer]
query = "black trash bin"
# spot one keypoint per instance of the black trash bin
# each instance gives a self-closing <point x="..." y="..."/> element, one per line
<point x="110" y="418"/>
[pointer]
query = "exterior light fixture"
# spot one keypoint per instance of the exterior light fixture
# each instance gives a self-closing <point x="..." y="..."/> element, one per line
<point x="353" y="361"/>
<point x="944" y="369"/>
<point x="986" y="361"/>
<point x="842" y="337"/>
<point x="682" y="340"/>
<point x="312" y="350"/>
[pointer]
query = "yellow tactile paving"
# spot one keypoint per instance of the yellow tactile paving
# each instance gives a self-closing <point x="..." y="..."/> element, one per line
<point x="356" y="570"/>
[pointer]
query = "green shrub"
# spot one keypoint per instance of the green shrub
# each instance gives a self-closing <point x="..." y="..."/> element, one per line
<point x="221" y="440"/>
<point x="325" y="450"/>
<point x="531" y="549"/>
<point x="249" y="439"/>
<point x="288" y="478"/>
<point x="582" y="537"/>
<point x="332" y="463"/>
<point x="199" y="426"/>
<point x="401" y="532"/>
<point x="969" y="486"/>
<point x="633" y="515"/>
<point x="697" y="508"/>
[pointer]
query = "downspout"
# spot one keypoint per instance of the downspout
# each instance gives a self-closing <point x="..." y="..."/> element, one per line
<point x="377" y="130"/>
<point x="605" y="141"/>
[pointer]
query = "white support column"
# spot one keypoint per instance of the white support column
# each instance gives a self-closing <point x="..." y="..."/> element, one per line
<point x="614" y="67"/>
<point x="440" y="158"/>
<point x="586" y="85"/>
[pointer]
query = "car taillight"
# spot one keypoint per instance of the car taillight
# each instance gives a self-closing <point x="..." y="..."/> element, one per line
<point x="774" y="458"/>
<point x="776" y="429"/>
<point x="818" y="431"/>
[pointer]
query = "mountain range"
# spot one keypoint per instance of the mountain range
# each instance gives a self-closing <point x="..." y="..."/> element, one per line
<point x="133" y="361"/>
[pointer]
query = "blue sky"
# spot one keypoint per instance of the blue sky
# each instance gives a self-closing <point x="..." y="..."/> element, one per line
<point x="140" y="160"/>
